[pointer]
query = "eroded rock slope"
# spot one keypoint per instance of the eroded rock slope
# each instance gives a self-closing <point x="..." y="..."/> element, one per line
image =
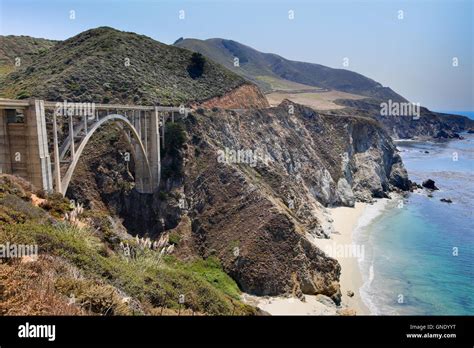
<point x="254" y="211"/>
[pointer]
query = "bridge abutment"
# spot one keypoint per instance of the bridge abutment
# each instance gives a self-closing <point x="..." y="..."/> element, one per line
<point x="5" y="156"/>
<point x="24" y="145"/>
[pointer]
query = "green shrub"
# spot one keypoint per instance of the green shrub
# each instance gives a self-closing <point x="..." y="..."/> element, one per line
<point x="14" y="186"/>
<point x="94" y="296"/>
<point x="209" y="270"/>
<point x="21" y="210"/>
<point x="102" y="224"/>
<point x="56" y="204"/>
<point x="196" y="67"/>
<point x="23" y="95"/>
<point x="11" y="216"/>
<point x="174" y="238"/>
<point x="175" y="137"/>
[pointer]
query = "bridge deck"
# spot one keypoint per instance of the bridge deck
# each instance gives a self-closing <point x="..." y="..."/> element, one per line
<point x="23" y="104"/>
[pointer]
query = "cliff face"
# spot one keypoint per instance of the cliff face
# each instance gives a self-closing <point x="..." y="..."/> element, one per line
<point x="330" y="157"/>
<point x="254" y="211"/>
<point x="242" y="97"/>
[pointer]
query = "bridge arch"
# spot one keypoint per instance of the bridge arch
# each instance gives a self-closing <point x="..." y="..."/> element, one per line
<point x="109" y="118"/>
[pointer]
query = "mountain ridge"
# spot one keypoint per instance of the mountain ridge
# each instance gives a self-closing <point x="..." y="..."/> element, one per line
<point x="295" y="80"/>
<point x="224" y="51"/>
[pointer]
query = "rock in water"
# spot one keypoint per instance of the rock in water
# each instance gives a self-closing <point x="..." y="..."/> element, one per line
<point x="446" y="200"/>
<point x="429" y="184"/>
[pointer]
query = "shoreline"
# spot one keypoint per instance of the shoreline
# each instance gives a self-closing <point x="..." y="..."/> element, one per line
<point x="351" y="225"/>
<point x="347" y="224"/>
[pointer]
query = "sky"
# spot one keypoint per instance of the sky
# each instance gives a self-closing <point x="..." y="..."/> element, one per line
<point x="414" y="52"/>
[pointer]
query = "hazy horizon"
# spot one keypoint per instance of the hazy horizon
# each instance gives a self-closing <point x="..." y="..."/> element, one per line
<point x="411" y="52"/>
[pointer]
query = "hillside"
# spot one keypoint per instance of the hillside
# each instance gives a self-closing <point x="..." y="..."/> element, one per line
<point x="83" y="268"/>
<point x="271" y="71"/>
<point x="24" y="48"/>
<point x="106" y="65"/>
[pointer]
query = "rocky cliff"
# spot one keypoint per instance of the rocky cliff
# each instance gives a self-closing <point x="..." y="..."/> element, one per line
<point x="254" y="184"/>
<point x="429" y="124"/>
<point x="264" y="203"/>
<point x="242" y="97"/>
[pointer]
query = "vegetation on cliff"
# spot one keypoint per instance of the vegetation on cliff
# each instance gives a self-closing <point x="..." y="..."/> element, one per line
<point x="84" y="262"/>
<point x="17" y="52"/>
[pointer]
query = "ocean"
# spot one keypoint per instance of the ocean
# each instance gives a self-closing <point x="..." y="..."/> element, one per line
<point x="469" y="114"/>
<point x="419" y="255"/>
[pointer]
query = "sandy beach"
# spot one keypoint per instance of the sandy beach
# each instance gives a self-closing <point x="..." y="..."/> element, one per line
<point x="345" y="221"/>
<point x="279" y="305"/>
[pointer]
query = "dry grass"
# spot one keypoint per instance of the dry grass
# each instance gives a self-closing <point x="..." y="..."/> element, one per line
<point x="29" y="289"/>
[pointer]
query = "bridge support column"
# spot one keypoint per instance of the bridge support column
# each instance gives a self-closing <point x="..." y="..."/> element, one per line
<point x="5" y="161"/>
<point x="154" y="149"/>
<point x="163" y="125"/>
<point x="149" y="131"/>
<point x="38" y="160"/>
<point x="57" y="168"/>
<point x="142" y="176"/>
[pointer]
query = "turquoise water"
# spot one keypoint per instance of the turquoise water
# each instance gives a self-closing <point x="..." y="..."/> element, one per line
<point x="409" y="249"/>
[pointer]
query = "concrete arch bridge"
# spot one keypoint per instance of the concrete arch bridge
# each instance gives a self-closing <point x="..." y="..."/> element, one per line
<point x="33" y="130"/>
